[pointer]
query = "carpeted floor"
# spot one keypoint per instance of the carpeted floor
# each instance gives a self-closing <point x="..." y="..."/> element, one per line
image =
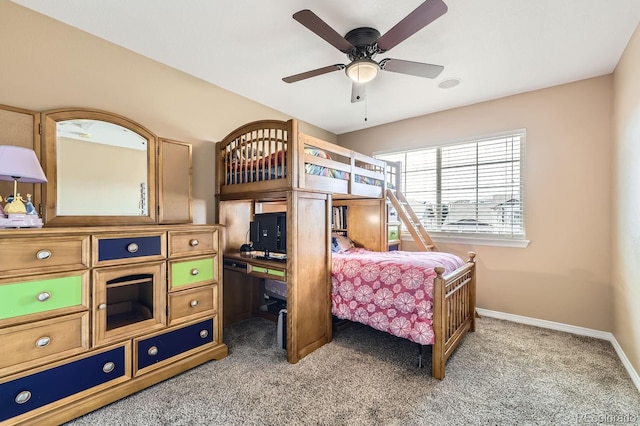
<point x="503" y="374"/>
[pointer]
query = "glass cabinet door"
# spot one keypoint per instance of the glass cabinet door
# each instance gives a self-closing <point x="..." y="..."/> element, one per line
<point x="128" y="301"/>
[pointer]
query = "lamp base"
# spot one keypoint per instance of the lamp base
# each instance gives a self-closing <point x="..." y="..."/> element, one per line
<point x="16" y="220"/>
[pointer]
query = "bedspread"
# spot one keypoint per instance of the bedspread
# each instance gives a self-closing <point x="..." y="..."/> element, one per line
<point x="389" y="291"/>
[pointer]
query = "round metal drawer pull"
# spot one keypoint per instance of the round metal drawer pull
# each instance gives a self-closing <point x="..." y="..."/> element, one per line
<point x="44" y="296"/>
<point x="193" y="303"/>
<point x="153" y="351"/>
<point x="43" y="341"/>
<point x="194" y="271"/>
<point x="194" y="242"/>
<point x="132" y="248"/>
<point x="108" y="367"/>
<point x="102" y="306"/>
<point x="43" y="254"/>
<point x="23" y="397"/>
<point x="204" y="333"/>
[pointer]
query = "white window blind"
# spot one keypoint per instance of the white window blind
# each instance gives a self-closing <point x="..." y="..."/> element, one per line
<point x="474" y="187"/>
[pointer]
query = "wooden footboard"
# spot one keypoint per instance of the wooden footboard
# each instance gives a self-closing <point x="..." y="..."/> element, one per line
<point x="454" y="311"/>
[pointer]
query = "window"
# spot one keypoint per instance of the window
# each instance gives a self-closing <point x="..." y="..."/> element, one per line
<point x="473" y="188"/>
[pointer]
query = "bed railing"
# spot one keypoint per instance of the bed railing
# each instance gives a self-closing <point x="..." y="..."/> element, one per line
<point x="351" y="172"/>
<point x="393" y="175"/>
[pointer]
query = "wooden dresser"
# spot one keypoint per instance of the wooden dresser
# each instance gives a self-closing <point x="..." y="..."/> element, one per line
<point x="90" y="315"/>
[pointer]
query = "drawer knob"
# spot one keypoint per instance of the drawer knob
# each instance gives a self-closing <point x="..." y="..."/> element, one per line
<point x="204" y="333"/>
<point x="44" y="296"/>
<point x="102" y="306"/>
<point x="193" y="303"/>
<point x="23" y="397"/>
<point x="132" y="248"/>
<point x="194" y="243"/>
<point x="108" y="367"/>
<point x="153" y="351"/>
<point x="43" y="341"/>
<point x="194" y="272"/>
<point x="43" y="254"/>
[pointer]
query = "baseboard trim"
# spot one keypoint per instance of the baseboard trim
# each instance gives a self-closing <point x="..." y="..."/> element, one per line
<point x="604" y="335"/>
<point x="625" y="361"/>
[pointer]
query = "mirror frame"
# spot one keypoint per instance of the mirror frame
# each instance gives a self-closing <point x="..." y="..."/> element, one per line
<point x="49" y="151"/>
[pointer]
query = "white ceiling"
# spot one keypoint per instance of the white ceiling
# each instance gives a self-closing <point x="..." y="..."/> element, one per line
<point x="495" y="47"/>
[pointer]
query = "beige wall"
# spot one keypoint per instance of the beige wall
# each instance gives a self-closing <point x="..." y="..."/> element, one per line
<point x="625" y="248"/>
<point x="564" y="274"/>
<point x="45" y="64"/>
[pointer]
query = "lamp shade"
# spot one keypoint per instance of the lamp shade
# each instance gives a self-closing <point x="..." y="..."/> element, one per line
<point x="362" y="70"/>
<point x="21" y="164"/>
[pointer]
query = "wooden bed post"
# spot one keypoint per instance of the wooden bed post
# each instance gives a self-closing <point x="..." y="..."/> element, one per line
<point x="220" y="170"/>
<point x="472" y="292"/>
<point x="295" y="179"/>
<point x="437" y="353"/>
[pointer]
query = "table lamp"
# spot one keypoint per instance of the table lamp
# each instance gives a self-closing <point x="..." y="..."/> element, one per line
<point x="20" y="164"/>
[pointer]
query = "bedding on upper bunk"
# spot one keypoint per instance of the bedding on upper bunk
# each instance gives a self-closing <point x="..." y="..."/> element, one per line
<point x="389" y="291"/>
<point x="274" y="167"/>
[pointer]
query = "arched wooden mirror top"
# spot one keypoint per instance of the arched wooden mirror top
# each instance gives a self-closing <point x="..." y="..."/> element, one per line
<point x="101" y="169"/>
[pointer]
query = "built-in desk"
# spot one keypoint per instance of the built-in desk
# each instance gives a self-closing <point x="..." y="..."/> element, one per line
<point x="256" y="266"/>
<point x="243" y="285"/>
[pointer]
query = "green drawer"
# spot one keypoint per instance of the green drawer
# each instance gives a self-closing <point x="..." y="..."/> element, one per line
<point x="394" y="232"/>
<point x="30" y="297"/>
<point x="192" y="272"/>
<point x="268" y="271"/>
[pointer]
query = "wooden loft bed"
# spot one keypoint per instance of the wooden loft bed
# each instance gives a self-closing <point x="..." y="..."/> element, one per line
<point x="273" y="155"/>
<point x="271" y="159"/>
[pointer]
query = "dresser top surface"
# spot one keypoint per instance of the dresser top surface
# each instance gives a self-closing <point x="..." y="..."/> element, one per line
<point x="84" y="230"/>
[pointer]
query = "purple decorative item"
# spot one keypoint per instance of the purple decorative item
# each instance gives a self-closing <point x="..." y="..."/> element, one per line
<point x="19" y="164"/>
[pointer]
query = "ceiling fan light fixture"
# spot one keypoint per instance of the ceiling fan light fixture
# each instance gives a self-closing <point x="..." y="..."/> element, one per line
<point x="362" y="70"/>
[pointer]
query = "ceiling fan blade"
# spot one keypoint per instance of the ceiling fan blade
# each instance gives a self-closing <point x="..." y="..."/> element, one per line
<point x="313" y="73"/>
<point x="358" y="92"/>
<point x="418" y="69"/>
<point x="318" y="26"/>
<point x="422" y="16"/>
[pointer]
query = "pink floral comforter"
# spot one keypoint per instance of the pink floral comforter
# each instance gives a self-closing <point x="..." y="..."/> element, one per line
<point x="389" y="291"/>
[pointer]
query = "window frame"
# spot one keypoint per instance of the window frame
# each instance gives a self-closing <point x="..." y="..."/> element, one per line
<point x="462" y="237"/>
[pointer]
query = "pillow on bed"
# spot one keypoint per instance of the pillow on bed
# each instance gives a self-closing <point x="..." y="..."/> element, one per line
<point x="335" y="248"/>
<point x="340" y="243"/>
<point x="277" y="158"/>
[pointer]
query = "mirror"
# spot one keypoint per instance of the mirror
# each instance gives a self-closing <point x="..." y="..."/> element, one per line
<point x="101" y="169"/>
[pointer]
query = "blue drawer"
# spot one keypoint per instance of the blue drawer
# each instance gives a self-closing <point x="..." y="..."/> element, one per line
<point x="59" y="382"/>
<point x="174" y="343"/>
<point x="126" y="248"/>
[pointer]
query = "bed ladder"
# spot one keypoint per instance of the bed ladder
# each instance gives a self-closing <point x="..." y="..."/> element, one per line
<point x="409" y="218"/>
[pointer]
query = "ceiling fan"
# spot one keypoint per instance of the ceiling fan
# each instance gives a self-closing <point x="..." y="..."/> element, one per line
<point x="362" y="44"/>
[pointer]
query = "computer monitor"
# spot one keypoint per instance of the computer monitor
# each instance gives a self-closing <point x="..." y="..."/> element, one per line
<point x="268" y="232"/>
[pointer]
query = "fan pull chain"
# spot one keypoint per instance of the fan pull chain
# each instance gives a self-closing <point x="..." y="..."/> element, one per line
<point x="365" y="108"/>
<point x="365" y="99"/>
